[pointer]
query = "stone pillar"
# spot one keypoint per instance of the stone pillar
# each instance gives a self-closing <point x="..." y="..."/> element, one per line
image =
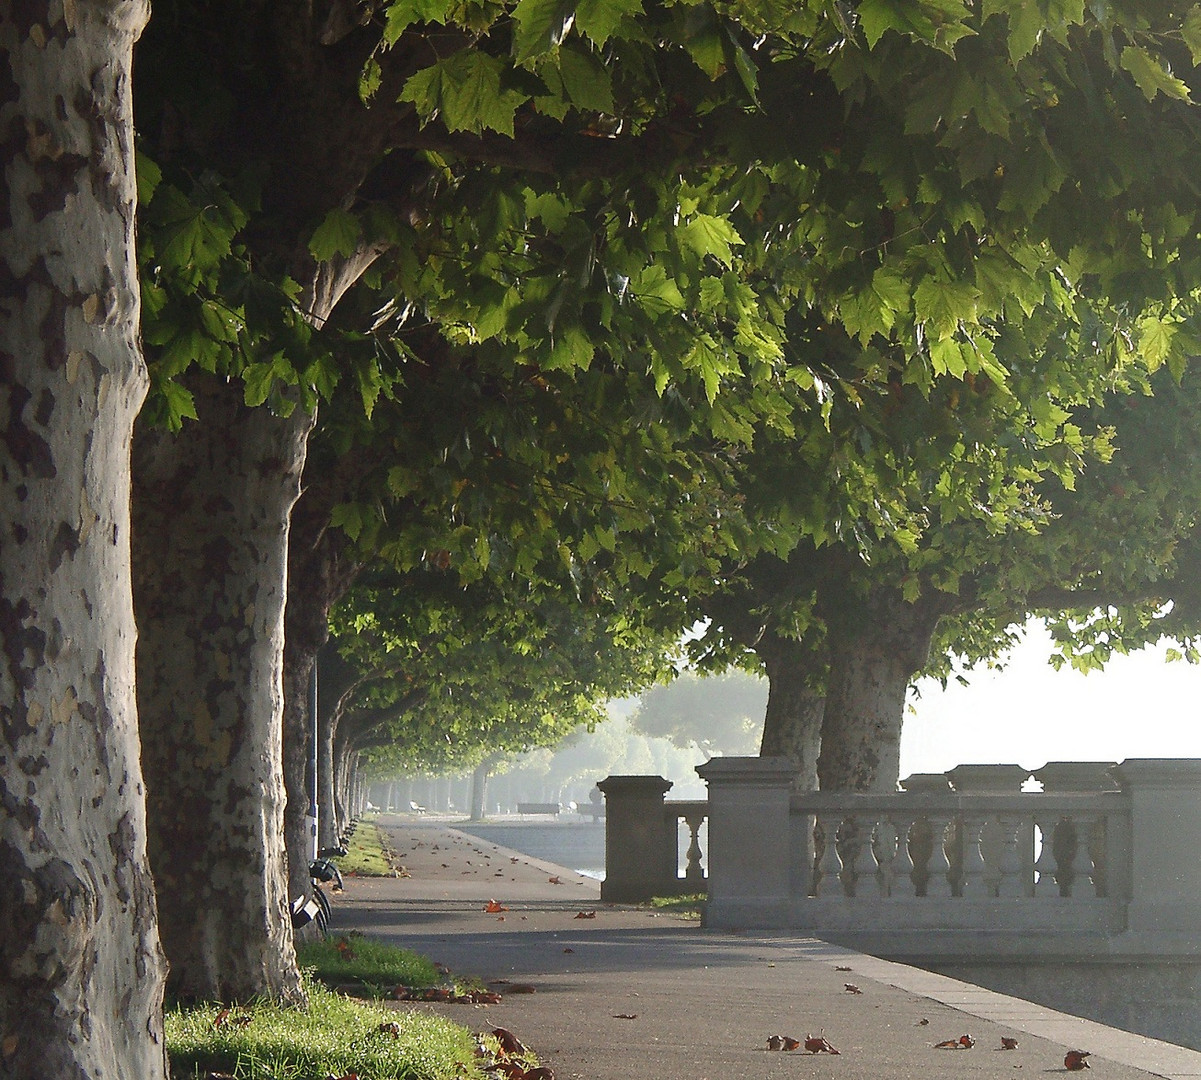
<point x="750" y="853"/>
<point x="640" y="846"/>
<point x="1165" y="821"/>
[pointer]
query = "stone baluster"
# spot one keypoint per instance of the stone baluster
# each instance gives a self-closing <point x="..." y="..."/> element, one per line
<point x="1081" y="887"/>
<point x="1013" y="880"/>
<point x="694" y="873"/>
<point x="938" y="884"/>
<point x="885" y="847"/>
<point x="974" y="866"/>
<point x="900" y="876"/>
<point x="829" y="869"/>
<point x="868" y="880"/>
<point x="1046" y="865"/>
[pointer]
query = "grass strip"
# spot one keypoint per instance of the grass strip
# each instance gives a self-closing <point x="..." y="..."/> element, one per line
<point x="352" y="958"/>
<point x="336" y="1036"/>
<point x="686" y="907"/>
<point x="368" y="853"/>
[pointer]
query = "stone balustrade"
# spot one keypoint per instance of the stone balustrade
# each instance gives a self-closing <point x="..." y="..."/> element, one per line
<point x="1085" y="896"/>
<point x="1101" y="849"/>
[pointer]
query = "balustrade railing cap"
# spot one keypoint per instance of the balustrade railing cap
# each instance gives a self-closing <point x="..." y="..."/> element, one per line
<point x="1076" y="776"/>
<point x="988" y="777"/>
<point x="927" y="781"/>
<point x="626" y="785"/>
<point x="771" y="771"/>
<point x="1157" y="772"/>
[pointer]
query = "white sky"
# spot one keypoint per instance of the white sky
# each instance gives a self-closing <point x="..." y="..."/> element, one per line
<point x="1029" y="714"/>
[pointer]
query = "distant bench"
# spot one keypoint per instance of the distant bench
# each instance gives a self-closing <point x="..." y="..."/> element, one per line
<point x="538" y="808"/>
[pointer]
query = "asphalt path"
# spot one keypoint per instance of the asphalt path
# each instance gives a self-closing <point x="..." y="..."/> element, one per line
<point x="609" y="992"/>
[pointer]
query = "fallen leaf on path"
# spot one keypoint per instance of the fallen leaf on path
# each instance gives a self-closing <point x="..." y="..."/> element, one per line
<point x="964" y="1042"/>
<point x="922" y="1022"/>
<point x="1075" y="1060"/>
<point x="782" y="1042"/>
<point x="625" y="1016"/>
<point x="492" y="907"/>
<point x="567" y="950"/>
<point x="522" y="988"/>
<point x="817" y="1044"/>
<point x="1008" y="1043"/>
<point x="851" y="988"/>
<point x="510" y="1044"/>
<point x="585" y="915"/>
<point x="555" y="880"/>
<point x="843" y="967"/>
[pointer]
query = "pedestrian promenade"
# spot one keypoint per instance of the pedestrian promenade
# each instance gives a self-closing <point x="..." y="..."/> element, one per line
<point x="625" y="993"/>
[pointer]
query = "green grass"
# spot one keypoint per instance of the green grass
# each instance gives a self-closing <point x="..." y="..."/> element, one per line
<point x="335" y="1036"/>
<point x="352" y="958"/>
<point x="687" y="906"/>
<point x="368" y="854"/>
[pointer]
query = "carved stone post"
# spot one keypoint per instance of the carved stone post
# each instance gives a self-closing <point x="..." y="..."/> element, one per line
<point x="640" y="844"/>
<point x="749" y="840"/>
<point x="1165" y="811"/>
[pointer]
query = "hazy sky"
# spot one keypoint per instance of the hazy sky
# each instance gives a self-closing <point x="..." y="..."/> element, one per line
<point x="1029" y="714"/>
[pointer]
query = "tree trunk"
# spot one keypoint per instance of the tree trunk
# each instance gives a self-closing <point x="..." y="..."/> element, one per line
<point x="479" y="787"/>
<point x="327" y="814"/>
<point x="211" y="507"/>
<point x="792" y="727"/>
<point x="318" y="567"/>
<point x="81" y="970"/>
<point x="876" y="647"/>
<point x="299" y="782"/>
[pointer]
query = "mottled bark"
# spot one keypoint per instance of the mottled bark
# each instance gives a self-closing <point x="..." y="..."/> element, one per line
<point x="321" y="572"/>
<point x="81" y="970"/>
<point x="329" y="830"/>
<point x="792" y="727"/>
<point x="876" y="646"/>
<point x="298" y="778"/>
<point x="211" y="507"/>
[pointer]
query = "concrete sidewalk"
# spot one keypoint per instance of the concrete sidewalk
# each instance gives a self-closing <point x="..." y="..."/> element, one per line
<point x="629" y="994"/>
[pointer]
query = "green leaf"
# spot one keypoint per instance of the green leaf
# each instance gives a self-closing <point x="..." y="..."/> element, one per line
<point x="599" y="19"/>
<point x="877" y="17"/>
<point x="1191" y="32"/>
<point x="179" y="404"/>
<point x="572" y="349"/>
<point x="259" y="380"/>
<point x="539" y="26"/>
<point x="709" y="235"/>
<point x="465" y="91"/>
<point x="1150" y="74"/>
<point x="744" y="65"/>
<point x="942" y="305"/>
<point x="149" y="178"/>
<point x="349" y="518"/>
<point x="586" y="81"/>
<point x="370" y="78"/>
<point x="1026" y="25"/>
<point x="947" y="356"/>
<point x="338" y="234"/>
<point x="656" y="290"/>
<point x="402" y="14"/>
<point x="1155" y="340"/>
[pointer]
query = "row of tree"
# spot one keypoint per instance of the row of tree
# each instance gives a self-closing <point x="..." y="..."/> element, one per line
<point x="509" y="339"/>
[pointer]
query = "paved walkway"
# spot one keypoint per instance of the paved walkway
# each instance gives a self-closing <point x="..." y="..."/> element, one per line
<point x="633" y="995"/>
